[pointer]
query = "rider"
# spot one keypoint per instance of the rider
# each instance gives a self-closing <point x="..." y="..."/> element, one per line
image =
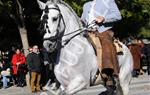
<point x="104" y="12"/>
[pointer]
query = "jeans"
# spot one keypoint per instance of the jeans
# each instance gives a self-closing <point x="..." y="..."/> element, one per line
<point x="5" y="80"/>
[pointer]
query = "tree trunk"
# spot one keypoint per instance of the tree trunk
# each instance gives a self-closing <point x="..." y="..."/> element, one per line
<point x="22" y="29"/>
<point x="24" y="39"/>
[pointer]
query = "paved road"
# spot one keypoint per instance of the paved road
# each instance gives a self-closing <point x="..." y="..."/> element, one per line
<point x="138" y="86"/>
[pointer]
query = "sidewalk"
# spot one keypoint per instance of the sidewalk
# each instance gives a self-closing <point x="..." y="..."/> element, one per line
<point x="142" y="83"/>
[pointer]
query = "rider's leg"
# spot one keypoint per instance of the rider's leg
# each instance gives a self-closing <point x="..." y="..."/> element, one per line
<point x="109" y="61"/>
<point x="95" y="41"/>
<point x="109" y="58"/>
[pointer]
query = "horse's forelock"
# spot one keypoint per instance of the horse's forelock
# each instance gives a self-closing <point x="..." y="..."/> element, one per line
<point x="55" y="2"/>
<point x="51" y="3"/>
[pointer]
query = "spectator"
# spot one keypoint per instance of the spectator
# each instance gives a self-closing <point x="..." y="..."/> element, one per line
<point x="46" y="67"/>
<point x="135" y="48"/>
<point x="34" y="64"/>
<point x="28" y="60"/>
<point x="4" y="75"/>
<point x="18" y="62"/>
<point x="49" y="60"/>
<point x="147" y="54"/>
<point x="5" y="72"/>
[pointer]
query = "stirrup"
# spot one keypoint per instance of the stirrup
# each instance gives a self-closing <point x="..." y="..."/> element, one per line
<point x="110" y="91"/>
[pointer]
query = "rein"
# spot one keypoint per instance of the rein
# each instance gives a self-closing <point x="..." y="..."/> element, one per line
<point x="83" y="29"/>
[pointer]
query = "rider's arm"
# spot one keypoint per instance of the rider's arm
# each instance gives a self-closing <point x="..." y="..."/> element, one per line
<point x="113" y="13"/>
<point x="108" y="12"/>
<point x="85" y="13"/>
<point x="83" y="16"/>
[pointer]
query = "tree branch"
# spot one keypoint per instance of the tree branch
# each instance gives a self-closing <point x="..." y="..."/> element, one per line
<point x="20" y="12"/>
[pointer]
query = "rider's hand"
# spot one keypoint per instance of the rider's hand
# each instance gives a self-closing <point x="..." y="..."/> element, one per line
<point x="18" y="63"/>
<point x="99" y="19"/>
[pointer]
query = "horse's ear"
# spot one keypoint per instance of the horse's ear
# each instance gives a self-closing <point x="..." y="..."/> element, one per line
<point x="41" y="4"/>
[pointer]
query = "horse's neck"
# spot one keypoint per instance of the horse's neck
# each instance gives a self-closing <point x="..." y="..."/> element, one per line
<point x="71" y="21"/>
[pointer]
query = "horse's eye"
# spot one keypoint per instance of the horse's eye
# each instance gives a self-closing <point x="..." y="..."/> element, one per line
<point x="54" y="19"/>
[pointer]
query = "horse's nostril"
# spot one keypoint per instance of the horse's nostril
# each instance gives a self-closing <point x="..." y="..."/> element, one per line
<point x="47" y="26"/>
<point x="49" y="31"/>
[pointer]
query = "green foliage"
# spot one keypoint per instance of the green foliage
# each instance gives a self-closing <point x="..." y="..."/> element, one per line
<point x="1" y="3"/>
<point x="135" y="14"/>
<point x="6" y="5"/>
<point x="76" y="5"/>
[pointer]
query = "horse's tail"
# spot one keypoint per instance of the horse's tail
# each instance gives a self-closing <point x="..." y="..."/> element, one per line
<point x="126" y="67"/>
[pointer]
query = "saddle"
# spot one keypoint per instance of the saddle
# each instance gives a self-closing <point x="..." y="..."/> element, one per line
<point x="118" y="46"/>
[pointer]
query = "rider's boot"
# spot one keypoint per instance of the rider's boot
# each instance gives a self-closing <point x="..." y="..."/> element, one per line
<point x="110" y="83"/>
<point x="110" y="88"/>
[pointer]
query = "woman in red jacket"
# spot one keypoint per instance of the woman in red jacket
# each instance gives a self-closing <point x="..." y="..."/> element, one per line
<point x="18" y="62"/>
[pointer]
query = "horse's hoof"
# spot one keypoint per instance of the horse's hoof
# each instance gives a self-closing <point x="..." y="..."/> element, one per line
<point x="46" y="88"/>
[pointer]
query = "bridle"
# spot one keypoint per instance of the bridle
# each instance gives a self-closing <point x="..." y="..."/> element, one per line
<point x="58" y="37"/>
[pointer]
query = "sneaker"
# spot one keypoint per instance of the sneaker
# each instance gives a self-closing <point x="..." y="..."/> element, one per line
<point x="5" y="87"/>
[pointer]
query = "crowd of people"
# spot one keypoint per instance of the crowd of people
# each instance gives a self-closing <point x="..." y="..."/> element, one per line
<point x="140" y="50"/>
<point x="14" y="66"/>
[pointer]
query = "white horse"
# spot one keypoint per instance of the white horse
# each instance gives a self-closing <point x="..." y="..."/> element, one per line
<point x="77" y="64"/>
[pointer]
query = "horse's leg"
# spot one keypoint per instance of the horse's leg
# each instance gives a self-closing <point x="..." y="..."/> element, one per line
<point x="119" y="90"/>
<point x="46" y="87"/>
<point x="124" y="83"/>
<point x="124" y="86"/>
<point x="76" y="85"/>
<point x="125" y="75"/>
<point x="125" y="90"/>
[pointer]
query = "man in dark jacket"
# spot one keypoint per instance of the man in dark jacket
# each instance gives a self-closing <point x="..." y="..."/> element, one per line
<point x="34" y="65"/>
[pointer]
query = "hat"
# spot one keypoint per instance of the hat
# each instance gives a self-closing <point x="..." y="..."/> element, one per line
<point x="146" y="41"/>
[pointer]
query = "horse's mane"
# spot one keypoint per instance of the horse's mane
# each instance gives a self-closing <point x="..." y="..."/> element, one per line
<point x="69" y="7"/>
<point x="74" y="13"/>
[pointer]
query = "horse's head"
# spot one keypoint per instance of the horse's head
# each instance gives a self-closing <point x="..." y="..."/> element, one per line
<point x="52" y="22"/>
